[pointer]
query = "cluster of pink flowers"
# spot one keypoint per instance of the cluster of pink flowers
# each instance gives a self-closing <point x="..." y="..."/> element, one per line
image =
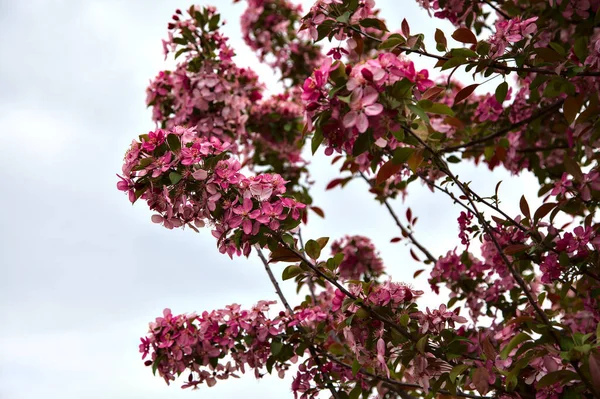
<point x="578" y="8"/>
<point x="489" y="109"/>
<point x="360" y="258"/>
<point x="190" y="180"/>
<point x="358" y="107"/>
<point x="212" y="346"/>
<point x="274" y="127"/>
<point x="206" y="90"/>
<point x="455" y="11"/>
<point x="270" y="27"/>
<point x="509" y="32"/>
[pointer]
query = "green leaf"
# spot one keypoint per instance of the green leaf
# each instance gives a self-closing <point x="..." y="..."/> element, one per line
<point x="291" y="272"/>
<point x="422" y="343"/>
<point x="313" y="249"/>
<point x="439" y="108"/>
<point x="276" y="347"/>
<point x="362" y="144"/>
<point x="401" y="154"/>
<point x="562" y="376"/>
<point x="454" y="62"/>
<point x="174" y="177"/>
<point x="558" y="48"/>
<point x="213" y="24"/>
<point x="174" y="142"/>
<point x="463" y="52"/>
<point x="520" y="338"/>
<point x="344" y="18"/>
<point x="501" y="92"/>
<point x="392" y="41"/>
<point x="355" y="367"/>
<point x="581" y="48"/>
<point x="404" y="320"/>
<point x="373" y="23"/>
<point x="355" y="393"/>
<point x="317" y="139"/>
<point x="458" y="370"/>
<point x="419" y="112"/>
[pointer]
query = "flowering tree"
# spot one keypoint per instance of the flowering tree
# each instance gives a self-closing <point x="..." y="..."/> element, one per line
<point x="225" y="157"/>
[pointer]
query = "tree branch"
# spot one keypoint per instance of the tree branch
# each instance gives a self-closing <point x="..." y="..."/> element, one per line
<point x="403" y="229"/>
<point x="311" y="348"/>
<point x="493" y="65"/>
<point x="506" y="130"/>
<point x="487" y="228"/>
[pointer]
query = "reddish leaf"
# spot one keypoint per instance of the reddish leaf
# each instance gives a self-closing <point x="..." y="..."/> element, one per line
<point x="440" y="38"/>
<point x="480" y="380"/>
<point x="418" y="272"/>
<point x="335" y="159"/>
<point x="544" y="210"/>
<point x="513" y="249"/>
<point x="524" y="207"/>
<point x="405" y="28"/>
<point x="386" y="171"/>
<point x="572" y="168"/>
<point x="453" y="121"/>
<point x="432" y="93"/>
<point x="282" y="254"/>
<point x="333" y="183"/>
<point x="464" y="35"/>
<point x="498" y="220"/>
<point x="408" y="215"/>
<point x="571" y="108"/>
<point x="594" y="362"/>
<point x="415" y="160"/>
<point x="318" y="211"/>
<point x="395" y="239"/>
<point x="412" y="253"/>
<point x="464" y="93"/>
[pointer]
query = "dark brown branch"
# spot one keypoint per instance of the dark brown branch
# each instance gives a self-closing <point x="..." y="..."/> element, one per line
<point x="497" y="9"/>
<point x="508" y="129"/>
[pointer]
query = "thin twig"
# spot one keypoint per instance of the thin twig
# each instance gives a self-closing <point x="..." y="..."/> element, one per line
<point x="497" y="9"/>
<point x="403" y="229"/>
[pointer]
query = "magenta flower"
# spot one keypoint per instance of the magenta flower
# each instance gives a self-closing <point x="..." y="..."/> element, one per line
<point x="244" y="215"/>
<point x="362" y="104"/>
<point x="154" y="140"/>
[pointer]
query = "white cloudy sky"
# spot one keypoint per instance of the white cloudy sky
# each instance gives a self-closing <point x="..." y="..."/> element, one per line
<point x="82" y="271"/>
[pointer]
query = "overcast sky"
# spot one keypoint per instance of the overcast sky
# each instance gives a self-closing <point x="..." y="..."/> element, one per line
<point x="82" y="271"/>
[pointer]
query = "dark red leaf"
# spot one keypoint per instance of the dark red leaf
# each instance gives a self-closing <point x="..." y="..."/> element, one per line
<point x="464" y="93"/>
<point x="464" y="35"/>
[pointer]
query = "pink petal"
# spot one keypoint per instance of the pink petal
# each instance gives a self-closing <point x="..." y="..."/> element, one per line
<point x="374" y="109"/>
